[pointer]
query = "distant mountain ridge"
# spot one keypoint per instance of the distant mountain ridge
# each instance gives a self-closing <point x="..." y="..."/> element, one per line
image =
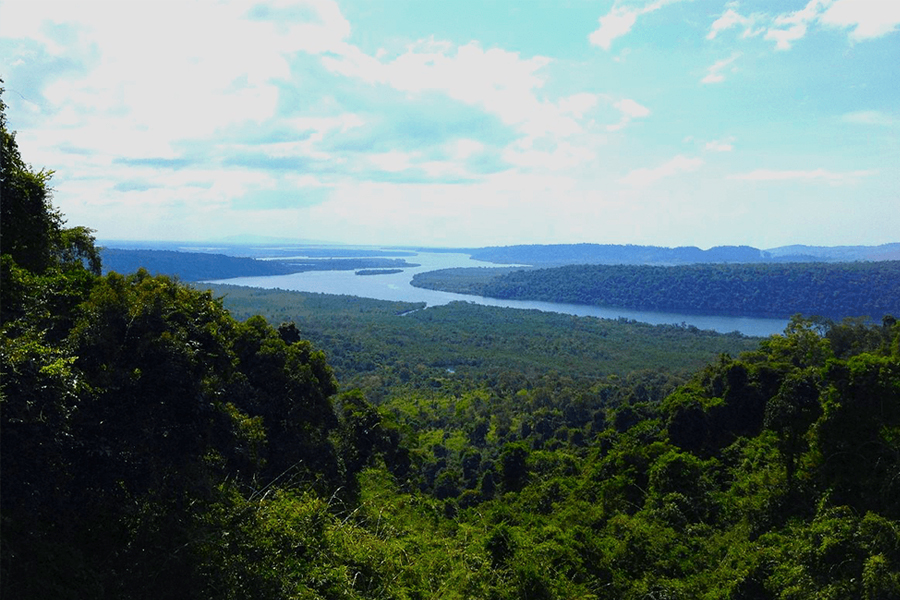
<point x="206" y="263"/>
<point x="838" y="253"/>
<point x="617" y="254"/>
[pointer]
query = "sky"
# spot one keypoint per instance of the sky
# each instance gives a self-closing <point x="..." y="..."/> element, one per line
<point x="463" y="123"/>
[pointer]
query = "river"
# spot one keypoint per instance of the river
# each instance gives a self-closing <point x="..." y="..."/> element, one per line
<point x="397" y="287"/>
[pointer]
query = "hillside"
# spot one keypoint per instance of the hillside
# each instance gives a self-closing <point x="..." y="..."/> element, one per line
<point x="201" y="266"/>
<point x="834" y="290"/>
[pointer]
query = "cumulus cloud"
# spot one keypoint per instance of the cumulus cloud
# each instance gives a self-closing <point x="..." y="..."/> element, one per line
<point x="648" y="176"/>
<point x="620" y="20"/>
<point x="868" y="18"/>
<point x="173" y="80"/>
<point x="498" y="81"/>
<point x="218" y="108"/>
<point x="232" y="87"/>
<point x="185" y="114"/>
<point x="552" y="133"/>
<point x="491" y="78"/>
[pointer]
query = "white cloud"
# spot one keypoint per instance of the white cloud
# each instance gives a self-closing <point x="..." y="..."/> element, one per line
<point x="714" y="72"/>
<point x="870" y="117"/>
<point x="499" y="82"/>
<point x="630" y="110"/>
<point x="438" y="214"/>
<point x="146" y="114"/>
<point x="443" y="169"/>
<point x="869" y="18"/>
<point x="393" y="161"/>
<point x="171" y="76"/>
<point x="806" y="14"/>
<point x="188" y="113"/>
<point x="620" y="20"/>
<point x="496" y="80"/>
<point x="648" y="176"/>
<point x="491" y="78"/>
<point x="200" y="85"/>
<point x="578" y="104"/>
<point x="831" y="177"/>
<point x="614" y="24"/>
<point x="723" y="145"/>
<point x="464" y="148"/>
<point x="731" y="18"/>
<point x="563" y="156"/>
<point x="783" y="38"/>
<point x="790" y="27"/>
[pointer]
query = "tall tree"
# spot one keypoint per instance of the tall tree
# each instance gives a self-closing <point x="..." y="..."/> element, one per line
<point x="31" y="230"/>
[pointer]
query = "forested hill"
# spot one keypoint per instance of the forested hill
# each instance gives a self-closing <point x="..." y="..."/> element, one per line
<point x="834" y="290"/>
<point x="189" y="266"/>
<point x="203" y="266"/>
<point x="615" y="254"/>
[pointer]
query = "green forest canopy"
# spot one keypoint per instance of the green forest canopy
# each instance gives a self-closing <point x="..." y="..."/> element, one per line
<point x="833" y="290"/>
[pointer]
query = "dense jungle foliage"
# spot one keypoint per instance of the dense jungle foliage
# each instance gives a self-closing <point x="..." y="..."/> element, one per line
<point x="833" y="290"/>
<point x="381" y="346"/>
<point x="153" y="446"/>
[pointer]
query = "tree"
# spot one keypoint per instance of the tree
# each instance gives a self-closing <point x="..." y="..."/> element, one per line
<point x="25" y="203"/>
<point x="791" y="412"/>
<point x="130" y="408"/>
<point x="360" y="430"/>
<point x="31" y="229"/>
<point x="858" y="436"/>
<point x="513" y="467"/>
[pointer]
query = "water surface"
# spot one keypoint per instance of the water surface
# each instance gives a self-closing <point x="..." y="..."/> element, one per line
<point x="397" y="287"/>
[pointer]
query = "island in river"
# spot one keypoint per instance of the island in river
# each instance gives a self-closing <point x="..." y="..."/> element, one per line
<point x="379" y="271"/>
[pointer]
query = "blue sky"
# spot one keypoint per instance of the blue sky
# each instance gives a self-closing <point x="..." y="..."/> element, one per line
<point x="464" y="123"/>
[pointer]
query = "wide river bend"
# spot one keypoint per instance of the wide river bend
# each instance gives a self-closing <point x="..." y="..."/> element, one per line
<point x="397" y="287"/>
